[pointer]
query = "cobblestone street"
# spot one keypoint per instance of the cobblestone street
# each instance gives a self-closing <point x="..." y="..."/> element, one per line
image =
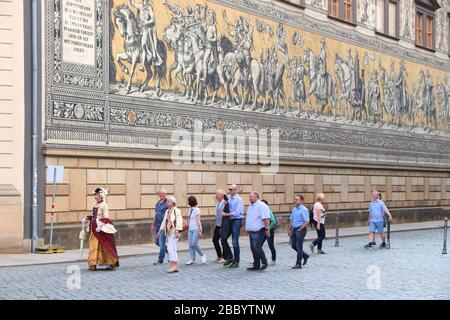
<point x="413" y="269"/>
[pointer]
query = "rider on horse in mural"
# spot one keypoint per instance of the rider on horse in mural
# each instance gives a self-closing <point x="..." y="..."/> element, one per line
<point x="210" y="57"/>
<point x="147" y="25"/>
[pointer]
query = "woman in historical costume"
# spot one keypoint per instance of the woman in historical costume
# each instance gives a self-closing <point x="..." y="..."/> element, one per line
<point x="102" y="247"/>
<point x="172" y="225"/>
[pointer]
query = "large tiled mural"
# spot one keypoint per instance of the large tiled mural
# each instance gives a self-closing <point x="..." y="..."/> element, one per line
<point x="125" y="72"/>
<point x="197" y="52"/>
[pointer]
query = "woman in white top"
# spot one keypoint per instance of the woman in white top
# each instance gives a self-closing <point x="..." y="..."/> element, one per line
<point x="319" y="223"/>
<point x="195" y="231"/>
<point x="172" y="225"/>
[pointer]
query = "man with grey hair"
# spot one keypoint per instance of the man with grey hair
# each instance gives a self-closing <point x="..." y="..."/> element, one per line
<point x="160" y="210"/>
<point x="257" y="225"/>
<point x="220" y="205"/>
<point x="377" y="212"/>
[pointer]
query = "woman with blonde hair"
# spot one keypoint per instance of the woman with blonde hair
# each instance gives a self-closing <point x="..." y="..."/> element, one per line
<point x="102" y="247"/>
<point x="319" y="223"/>
<point x="172" y="225"/>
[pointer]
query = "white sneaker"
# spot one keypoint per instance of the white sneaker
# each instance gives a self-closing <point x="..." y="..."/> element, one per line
<point x="190" y="262"/>
<point x="204" y="259"/>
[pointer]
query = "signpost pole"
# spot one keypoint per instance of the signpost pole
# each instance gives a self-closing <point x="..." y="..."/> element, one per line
<point x="53" y="206"/>
<point x="336" y="243"/>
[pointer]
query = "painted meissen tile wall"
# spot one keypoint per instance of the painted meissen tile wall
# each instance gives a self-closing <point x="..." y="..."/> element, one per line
<point x="355" y="110"/>
<point x="368" y="81"/>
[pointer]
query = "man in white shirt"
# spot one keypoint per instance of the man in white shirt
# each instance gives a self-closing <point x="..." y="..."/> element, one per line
<point x="257" y="225"/>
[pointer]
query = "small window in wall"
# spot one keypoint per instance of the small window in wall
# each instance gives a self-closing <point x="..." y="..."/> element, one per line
<point x="419" y="28"/>
<point x="297" y="3"/>
<point x="393" y="14"/>
<point x="344" y="10"/>
<point x="348" y="10"/>
<point x="388" y="16"/>
<point x="380" y="16"/>
<point x="425" y="23"/>
<point x="429" y="43"/>
<point x="334" y="8"/>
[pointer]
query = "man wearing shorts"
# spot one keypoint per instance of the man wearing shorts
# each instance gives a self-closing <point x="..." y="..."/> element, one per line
<point x="377" y="210"/>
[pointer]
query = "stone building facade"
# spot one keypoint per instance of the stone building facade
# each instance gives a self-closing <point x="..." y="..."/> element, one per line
<point x="13" y="233"/>
<point x="357" y="107"/>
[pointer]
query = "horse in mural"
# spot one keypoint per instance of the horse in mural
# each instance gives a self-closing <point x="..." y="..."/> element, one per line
<point x="325" y="90"/>
<point x="127" y="24"/>
<point x="231" y="76"/>
<point x="188" y="67"/>
<point x="397" y="101"/>
<point x="353" y="89"/>
<point x="173" y="36"/>
<point x="273" y="85"/>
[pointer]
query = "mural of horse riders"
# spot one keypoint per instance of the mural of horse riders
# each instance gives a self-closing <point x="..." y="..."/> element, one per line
<point x="443" y="92"/>
<point x="272" y="86"/>
<point x="353" y="87"/>
<point x="358" y="93"/>
<point x="397" y="102"/>
<point x="212" y="62"/>
<point x="297" y="73"/>
<point x="239" y="68"/>
<point x="425" y="99"/>
<point x="322" y="84"/>
<point x="192" y="35"/>
<point x="140" y="43"/>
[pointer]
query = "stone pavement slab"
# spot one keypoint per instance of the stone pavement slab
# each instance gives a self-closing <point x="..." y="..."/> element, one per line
<point x="414" y="268"/>
<point x="7" y="260"/>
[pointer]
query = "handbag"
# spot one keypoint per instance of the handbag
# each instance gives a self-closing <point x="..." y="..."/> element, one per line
<point x="185" y="224"/>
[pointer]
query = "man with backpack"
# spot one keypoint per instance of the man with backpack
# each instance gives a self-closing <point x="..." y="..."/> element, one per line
<point x="271" y="240"/>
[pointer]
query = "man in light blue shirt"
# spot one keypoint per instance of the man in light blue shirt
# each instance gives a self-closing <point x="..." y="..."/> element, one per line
<point x="236" y="214"/>
<point x="377" y="210"/>
<point x="299" y="221"/>
<point x="160" y="210"/>
<point x="257" y="225"/>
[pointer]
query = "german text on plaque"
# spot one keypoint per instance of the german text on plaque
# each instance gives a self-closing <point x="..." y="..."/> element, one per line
<point x="79" y="31"/>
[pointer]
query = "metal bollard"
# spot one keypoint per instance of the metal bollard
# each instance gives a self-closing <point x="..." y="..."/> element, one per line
<point x="444" y="250"/>
<point x="388" y="244"/>
<point x="336" y="243"/>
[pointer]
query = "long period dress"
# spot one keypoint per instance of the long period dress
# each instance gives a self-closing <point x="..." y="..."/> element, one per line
<point x="102" y="246"/>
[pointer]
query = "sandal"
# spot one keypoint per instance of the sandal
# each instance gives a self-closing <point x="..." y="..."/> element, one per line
<point x="92" y="268"/>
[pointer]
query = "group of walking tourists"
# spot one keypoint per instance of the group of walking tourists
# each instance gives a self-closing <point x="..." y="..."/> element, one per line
<point x="260" y="225"/>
